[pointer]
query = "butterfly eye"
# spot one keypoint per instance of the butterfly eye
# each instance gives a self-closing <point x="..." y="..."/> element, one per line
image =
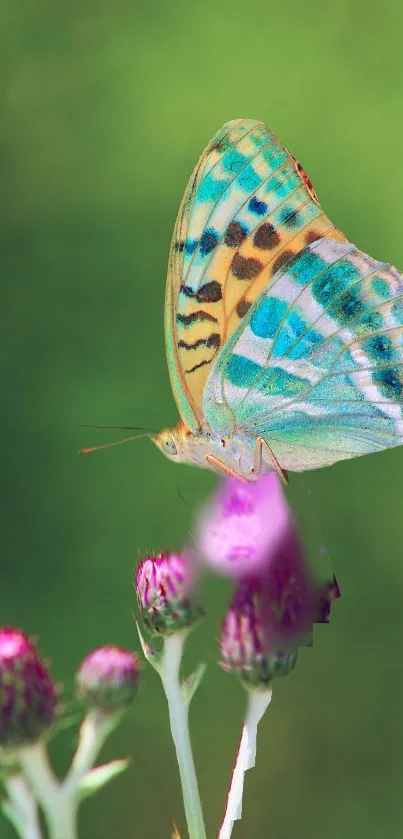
<point x="169" y="446"/>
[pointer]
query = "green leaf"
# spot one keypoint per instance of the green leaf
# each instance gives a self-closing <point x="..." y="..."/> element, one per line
<point x="101" y="775"/>
<point x="9" y="812"/>
<point x="152" y="655"/>
<point x="190" y="685"/>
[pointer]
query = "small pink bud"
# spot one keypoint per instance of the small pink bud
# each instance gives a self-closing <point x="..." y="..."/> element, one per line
<point x="108" y="678"/>
<point x="28" y="695"/>
<point x="165" y="593"/>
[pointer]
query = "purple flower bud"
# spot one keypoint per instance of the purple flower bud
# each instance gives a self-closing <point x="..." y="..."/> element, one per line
<point x="243" y="644"/>
<point x="244" y="526"/>
<point x="108" y="678"/>
<point x="165" y="593"/>
<point x="28" y="695"/>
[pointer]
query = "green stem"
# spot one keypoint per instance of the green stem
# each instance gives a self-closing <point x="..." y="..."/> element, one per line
<point x="59" y="801"/>
<point x="94" y="730"/>
<point x="21" y="807"/>
<point x="60" y="810"/>
<point x="178" y="706"/>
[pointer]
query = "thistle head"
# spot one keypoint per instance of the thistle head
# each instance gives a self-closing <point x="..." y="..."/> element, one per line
<point x="28" y="694"/>
<point x="244" y="526"/>
<point x="267" y="621"/>
<point x="108" y="678"/>
<point x="165" y="593"/>
<point x="243" y="644"/>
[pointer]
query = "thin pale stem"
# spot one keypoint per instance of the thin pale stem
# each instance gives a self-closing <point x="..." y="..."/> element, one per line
<point x="59" y="801"/>
<point x="22" y="808"/>
<point x="60" y="810"/>
<point x="178" y="706"/>
<point x="93" y="732"/>
<point x="258" y="702"/>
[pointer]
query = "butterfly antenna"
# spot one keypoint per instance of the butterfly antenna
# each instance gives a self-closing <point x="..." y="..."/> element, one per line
<point x="115" y="443"/>
<point x="121" y="428"/>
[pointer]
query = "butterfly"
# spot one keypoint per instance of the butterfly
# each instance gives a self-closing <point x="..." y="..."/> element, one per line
<point x="284" y="341"/>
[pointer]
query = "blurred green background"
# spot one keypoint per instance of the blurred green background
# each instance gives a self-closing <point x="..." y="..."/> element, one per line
<point x="105" y="109"/>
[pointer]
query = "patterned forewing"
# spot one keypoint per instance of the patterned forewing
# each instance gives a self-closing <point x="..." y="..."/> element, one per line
<point x="248" y="209"/>
<point x="316" y="367"/>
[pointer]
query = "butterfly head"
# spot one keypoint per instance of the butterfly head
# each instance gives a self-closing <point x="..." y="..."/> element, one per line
<point x="231" y="454"/>
<point x="173" y="442"/>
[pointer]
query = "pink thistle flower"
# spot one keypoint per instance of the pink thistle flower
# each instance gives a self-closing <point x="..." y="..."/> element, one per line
<point x="165" y="588"/>
<point x="28" y="695"/>
<point x="244" y="526"/>
<point x="248" y="533"/>
<point x="108" y="678"/>
<point x="243" y="642"/>
<point x="258" y="640"/>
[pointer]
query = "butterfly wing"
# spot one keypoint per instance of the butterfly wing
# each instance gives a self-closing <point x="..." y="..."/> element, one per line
<point x="316" y="367"/>
<point x="247" y="210"/>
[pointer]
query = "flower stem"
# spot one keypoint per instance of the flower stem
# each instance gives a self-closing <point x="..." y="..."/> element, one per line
<point x="59" y="809"/>
<point x="178" y="707"/>
<point x="21" y="807"/>
<point x="59" y="801"/>
<point x="93" y="732"/>
<point x="258" y="702"/>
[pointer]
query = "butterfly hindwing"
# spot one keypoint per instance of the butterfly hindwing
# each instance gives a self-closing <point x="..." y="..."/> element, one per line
<point x="247" y="210"/>
<point x="315" y="368"/>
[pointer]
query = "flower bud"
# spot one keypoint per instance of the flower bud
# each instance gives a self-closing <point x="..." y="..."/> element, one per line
<point x="243" y="644"/>
<point x="108" y="678"/>
<point x="165" y="593"/>
<point x="28" y="695"/>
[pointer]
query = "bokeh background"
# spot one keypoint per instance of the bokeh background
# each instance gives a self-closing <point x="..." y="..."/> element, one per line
<point x="105" y="109"/>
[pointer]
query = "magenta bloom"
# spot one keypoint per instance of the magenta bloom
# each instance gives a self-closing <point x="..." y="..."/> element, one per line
<point x="165" y="592"/>
<point x="243" y="643"/>
<point x="247" y="532"/>
<point x="266" y="623"/>
<point x="28" y="695"/>
<point x="108" y="678"/>
<point x="245" y="527"/>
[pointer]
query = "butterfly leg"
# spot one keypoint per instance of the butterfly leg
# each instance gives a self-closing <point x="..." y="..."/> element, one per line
<point x="260" y="442"/>
<point x="218" y="464"/>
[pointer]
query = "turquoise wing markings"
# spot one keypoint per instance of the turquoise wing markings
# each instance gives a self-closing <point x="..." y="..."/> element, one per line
<point x="316" y="366"/>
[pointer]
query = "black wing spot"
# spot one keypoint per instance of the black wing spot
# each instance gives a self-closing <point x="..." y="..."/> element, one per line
<point x="213" y="340"/>
<point x="266" y="237"/>
<point x="208" y="293"/>
<point x="208" y="242"/>
<point x="235" y="234"/>
<point x="245" y="268"/>
<point x="243" y="307"/>
<point x="200" y="315"/>
<point x="281" y="260"/>
<point x="201" y="364"/>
